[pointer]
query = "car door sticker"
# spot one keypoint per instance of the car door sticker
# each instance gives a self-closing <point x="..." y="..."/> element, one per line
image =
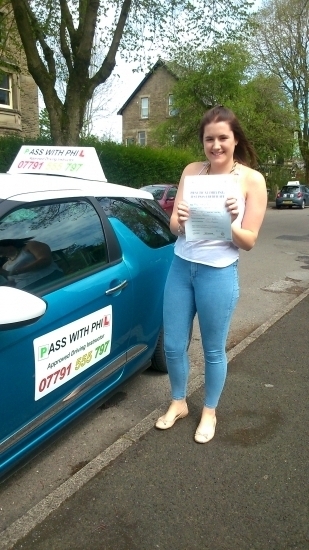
<point x="64" y="353"/>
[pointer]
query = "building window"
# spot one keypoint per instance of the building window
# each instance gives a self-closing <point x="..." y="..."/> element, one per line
<point x="141" y="138"/>
<point x="171" y="110"/>
<point x="130" y="141"/>
<point x="145" y="107"/>
<point x="6" y="91"/>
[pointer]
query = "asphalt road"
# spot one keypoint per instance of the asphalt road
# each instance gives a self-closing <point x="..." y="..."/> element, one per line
<point x="272" y="275"/>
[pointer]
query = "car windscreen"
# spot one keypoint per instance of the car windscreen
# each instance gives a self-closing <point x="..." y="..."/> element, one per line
<point x="290" y="189"/>
<point x="157" y="193"/>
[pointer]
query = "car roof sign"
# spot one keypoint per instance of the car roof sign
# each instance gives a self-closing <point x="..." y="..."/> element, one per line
<point x="76" y="162"/>
<point x="296" y="182"/>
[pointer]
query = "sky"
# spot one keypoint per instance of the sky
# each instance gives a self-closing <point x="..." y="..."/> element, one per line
<point x="124" y="86"/>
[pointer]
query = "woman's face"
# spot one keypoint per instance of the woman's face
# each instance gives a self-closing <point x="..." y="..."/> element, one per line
<point x="219" y="143"/>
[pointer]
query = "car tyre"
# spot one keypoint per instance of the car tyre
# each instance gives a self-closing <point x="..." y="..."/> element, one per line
<point x="158" y="361"/>
<point x="278" y="206"/>
<point x="303" y="204"/>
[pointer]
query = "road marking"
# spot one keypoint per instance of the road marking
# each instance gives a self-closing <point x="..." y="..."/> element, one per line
<point x="36" y="515"/>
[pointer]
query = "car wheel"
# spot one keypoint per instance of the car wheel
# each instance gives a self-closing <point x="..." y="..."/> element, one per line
<point x="303" y="204"/>
<point x="290" y="207"/>
<point x="278" y="206"/>
<point x="158" y="361"/>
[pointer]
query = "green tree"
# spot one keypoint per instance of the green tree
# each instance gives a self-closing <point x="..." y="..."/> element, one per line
<point x="58" y="37"/>
<point x="225" y="75"/>
<point x="281" y="46"/>
<point x="206" y="78"/>
<point x="267" y="118"/>
<point x="44" y="124"/>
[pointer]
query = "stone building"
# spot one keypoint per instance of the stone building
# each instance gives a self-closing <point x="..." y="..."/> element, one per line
<point x="150" y="104"/>
<point x="19" y="108"/>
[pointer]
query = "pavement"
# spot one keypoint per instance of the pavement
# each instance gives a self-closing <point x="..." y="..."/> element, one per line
<point x="246" y="489"/>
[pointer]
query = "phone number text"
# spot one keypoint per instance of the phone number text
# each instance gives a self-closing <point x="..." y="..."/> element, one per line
<point x="87" y="357"/>
<point x="52" y="378"/>
<point x="49" y="166"/>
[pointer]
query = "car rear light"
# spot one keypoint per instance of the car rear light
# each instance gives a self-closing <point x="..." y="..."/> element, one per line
<point x="278" y="195"/>
<point x="299" y="195"/>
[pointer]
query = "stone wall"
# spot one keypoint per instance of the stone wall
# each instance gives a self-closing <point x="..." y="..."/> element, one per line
<point x="21" y="117"/>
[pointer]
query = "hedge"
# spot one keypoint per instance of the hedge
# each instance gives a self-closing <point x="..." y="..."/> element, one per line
<point x="133" y="166"/>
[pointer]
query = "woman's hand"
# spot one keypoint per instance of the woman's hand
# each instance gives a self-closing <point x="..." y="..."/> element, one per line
<point x="232" y="207"/>
<point x="183" y="212"/>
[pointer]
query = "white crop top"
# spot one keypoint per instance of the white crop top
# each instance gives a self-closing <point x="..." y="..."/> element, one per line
<point x="213" y="253"/>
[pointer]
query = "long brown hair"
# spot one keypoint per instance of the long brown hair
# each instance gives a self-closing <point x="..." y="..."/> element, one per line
<point x="244" y="151"/>
<point x="16" y="243"/>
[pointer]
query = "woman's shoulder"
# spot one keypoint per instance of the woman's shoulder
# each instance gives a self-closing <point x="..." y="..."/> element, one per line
<point x="194" y="168"/>
<point x="251" y="176"/>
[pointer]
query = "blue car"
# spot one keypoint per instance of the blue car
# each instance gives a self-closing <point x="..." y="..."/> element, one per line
<point x="82" y="271"/>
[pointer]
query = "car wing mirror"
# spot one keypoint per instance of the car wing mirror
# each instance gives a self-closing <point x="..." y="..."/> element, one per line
<point x="19" y="308"/>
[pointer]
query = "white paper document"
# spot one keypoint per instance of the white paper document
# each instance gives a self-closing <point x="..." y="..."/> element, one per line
<point x="206" y="196"/>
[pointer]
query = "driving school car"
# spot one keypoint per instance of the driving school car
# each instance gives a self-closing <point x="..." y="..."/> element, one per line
<point x="293" y="194"/>
<point x="82" y="270"/>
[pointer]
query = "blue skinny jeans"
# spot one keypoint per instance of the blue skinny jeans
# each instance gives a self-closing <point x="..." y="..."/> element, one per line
<point x="212" y="293"/>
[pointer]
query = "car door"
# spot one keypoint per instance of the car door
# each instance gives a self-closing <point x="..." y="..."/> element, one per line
<point x="53" y="369"/>
<point x="143" y="226"/>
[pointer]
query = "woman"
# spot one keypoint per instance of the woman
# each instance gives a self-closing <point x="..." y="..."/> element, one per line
<point x="203" y="277"/>
<point x="28" y="263"/>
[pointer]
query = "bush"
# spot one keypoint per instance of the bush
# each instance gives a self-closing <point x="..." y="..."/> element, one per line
<point x="137" y="166"/>
<point x="10" y="145"/>
<point x="133" y="166"/>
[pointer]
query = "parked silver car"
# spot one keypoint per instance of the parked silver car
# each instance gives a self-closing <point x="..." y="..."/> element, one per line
<point x="293" y="194"/>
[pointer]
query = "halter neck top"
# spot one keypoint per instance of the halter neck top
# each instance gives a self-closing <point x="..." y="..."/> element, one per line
<point x="214" y="253"/>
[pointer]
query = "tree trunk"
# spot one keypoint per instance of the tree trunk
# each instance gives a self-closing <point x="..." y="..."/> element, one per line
<point x="307" y="171"/>
<point x="66" y="118"/>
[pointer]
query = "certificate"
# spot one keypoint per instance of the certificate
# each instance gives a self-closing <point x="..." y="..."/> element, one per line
<point x="206" y="197"/>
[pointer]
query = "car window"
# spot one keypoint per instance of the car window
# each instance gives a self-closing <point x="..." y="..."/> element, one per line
<point x="157" y="193"/>
<point x="290" y="189"/>
<point x="171" y="194"/>
<point x="44" y="245"/>
<point x="143" y="217"/>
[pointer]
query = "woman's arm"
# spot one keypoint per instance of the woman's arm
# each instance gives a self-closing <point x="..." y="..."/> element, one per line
<point x="256" y="202"/>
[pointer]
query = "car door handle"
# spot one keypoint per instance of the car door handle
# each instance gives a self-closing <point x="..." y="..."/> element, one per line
<point x="116" y="288"/>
